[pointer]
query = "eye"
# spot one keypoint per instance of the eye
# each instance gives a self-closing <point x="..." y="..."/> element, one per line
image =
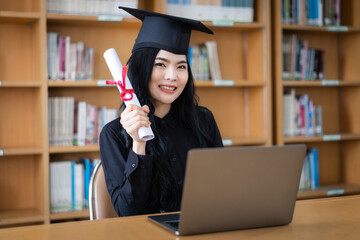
<point x="182" y="67"/>
<point x="159" y="64"/>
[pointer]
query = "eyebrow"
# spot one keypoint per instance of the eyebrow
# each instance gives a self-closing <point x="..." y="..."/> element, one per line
<point x="166" y="60"/>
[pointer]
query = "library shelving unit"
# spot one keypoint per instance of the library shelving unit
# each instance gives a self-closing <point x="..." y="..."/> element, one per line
<point x="23" y="140"/>
<point x="338" y="94"/>
<point x="242" y="110"/>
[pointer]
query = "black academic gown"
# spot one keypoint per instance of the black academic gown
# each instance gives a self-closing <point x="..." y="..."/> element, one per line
<point x="128" y="175"/>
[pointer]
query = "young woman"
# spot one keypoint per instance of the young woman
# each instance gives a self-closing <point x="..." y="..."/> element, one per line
<point x="147" y="177"/>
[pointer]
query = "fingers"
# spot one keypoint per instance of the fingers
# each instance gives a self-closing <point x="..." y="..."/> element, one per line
<point x="133" y="113"/>
<point x="146" y="108"/>
<point x="134" y="117"/>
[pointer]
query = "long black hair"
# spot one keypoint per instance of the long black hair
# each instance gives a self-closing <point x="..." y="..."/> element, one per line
<point x="140" y="65"/>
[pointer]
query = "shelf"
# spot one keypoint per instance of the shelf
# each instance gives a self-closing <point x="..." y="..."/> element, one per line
<point x="83" y="214"/>
<point x="20" y="151"/>
<point x="321" y="83"/>
<point x="71" y="149"/>
<point x="21" y="216"/>
<point x="335" y="29"/>
<point x="93" y="20"/>
<point x="323" y="138"/>
<point x="78" y="83"/>
<point x="329" y="191"/>
<point x="20" y="84"/>
<point x="243" y="141"/>
<point x="235" y="25"/>
<point x="68" y="18"/>
<point x="228" y="83"/>
<point x="19" y="17"/>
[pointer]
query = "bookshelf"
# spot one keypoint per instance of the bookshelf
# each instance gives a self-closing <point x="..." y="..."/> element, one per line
<point x="25" y="153"/>
<point x="338" y="94"/>
<point x="244" y="56"/>
<point x="23" y="140"/>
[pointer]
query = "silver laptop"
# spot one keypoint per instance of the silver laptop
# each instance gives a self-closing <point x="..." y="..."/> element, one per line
<point x="237" y="188"/>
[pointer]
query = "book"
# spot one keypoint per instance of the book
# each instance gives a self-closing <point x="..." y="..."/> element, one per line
<point x="78" y="188"/>
<point x="311" y="12"/>
<point x="52" y="52"/>
<point x="61" y="186"/>
<point x="314" y="168"/>
<point x="213" y="59"/>
<point x="289" y="113"/>
<point x="64" y="125"/>
<point x="216" y="10"/>
<point x="300" y="62"/>
<point x="318" y="129"/>
<point x="300" y="116"/>
<point x="89" y="7"/>
<point x="199" y="62"/>
<point x="87" y="174"/>
<point x="310" y="178"/>
<point x="69" y="184"/>
<point x="68" y="61"/>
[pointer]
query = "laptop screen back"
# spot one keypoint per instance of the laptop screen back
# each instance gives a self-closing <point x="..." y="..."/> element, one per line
<point x="240" y="187"/>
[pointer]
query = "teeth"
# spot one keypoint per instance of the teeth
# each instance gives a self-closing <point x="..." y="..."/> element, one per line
<point x="167" y="88"/>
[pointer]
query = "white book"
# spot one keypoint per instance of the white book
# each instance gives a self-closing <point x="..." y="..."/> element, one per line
<point x="52" y="186"/>
<point x="289" y="113"/>
<point x="60" y="124"/>
<point x="52" y="50"/>
<point x="80" y="124"/>
<point x="79" y="186"/>
<point x="286" y="114"/>
<point x="66" y="122"/>
<point x="80" y="61"/>
<point x="50" y="120"/>
<point x="60" y="186"/>
<point x="89" y="63"/>
<point x="70" y="130"/>
<point x="56" y="121"/>
<point x="214" y="64"/>
<point x="72" y="64"/>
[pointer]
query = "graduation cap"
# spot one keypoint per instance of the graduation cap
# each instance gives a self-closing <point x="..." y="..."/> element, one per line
<point x="165" y="32"/>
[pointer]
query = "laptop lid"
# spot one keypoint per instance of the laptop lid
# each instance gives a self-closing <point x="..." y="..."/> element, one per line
<point x="240" y="188"/>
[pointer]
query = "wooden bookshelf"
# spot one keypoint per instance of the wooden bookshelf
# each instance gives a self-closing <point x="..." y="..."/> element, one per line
<point x="23" y="100"/>
<point x="80" y="215"/>
<point x="21" y="216"/>
<point x="244" y="55"/>
<point x="25" y="154"/>
<point x="338" y="94"/>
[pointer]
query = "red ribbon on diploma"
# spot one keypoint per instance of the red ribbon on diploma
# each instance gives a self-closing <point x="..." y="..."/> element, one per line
<point x="122" y="85"/>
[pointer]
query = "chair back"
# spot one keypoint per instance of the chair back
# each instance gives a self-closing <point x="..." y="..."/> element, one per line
<point x="100" y="205"/>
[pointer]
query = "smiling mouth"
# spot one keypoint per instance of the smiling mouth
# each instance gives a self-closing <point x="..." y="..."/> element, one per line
<point x="167" y="88"/>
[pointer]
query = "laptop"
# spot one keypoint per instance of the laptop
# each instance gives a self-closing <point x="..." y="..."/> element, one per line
<point x="237" y="188"/>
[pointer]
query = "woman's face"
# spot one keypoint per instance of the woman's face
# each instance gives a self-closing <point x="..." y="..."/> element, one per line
<point x="168" y="78"/>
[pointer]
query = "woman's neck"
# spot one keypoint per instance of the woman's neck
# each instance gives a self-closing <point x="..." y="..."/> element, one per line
<point x="161" y="110"/>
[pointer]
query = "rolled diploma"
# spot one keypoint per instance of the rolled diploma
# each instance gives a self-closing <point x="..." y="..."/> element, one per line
<point x="115" y="66"/>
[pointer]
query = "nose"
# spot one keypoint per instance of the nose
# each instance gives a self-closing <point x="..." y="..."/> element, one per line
<point x="170" y="74"/>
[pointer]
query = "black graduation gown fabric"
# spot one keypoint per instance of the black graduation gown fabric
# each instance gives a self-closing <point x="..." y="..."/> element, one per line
<point x="128" y="175"/>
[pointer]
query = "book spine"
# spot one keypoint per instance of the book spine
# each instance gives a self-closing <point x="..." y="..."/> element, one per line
<point x="72" y="185"/>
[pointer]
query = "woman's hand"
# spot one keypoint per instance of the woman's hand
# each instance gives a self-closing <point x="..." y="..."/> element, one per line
<point x="131" y="119"/>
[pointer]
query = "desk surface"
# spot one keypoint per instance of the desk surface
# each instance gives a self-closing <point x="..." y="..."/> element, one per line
<point x="332" y="218"/>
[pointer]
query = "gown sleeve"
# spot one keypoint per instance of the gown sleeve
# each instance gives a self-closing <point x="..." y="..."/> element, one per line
<point x="127" y="175"/>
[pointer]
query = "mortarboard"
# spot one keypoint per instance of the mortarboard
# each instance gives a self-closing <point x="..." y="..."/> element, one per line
<point x="163" y="31"/>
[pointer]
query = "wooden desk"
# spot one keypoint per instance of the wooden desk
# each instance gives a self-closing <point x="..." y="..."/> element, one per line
<point x="332" y="218"/>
